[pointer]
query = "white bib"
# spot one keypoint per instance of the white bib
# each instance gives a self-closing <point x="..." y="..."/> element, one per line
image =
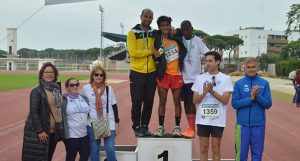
<point x="210" y="110"/>
<point x="171" y="53"/>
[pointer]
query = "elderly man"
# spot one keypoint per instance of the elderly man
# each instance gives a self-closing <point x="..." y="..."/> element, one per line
<point x="251" y="97"/>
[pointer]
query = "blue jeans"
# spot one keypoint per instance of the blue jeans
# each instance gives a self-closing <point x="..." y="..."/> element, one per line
<point x="109" y="146"/>
<point x="297" y="94"/>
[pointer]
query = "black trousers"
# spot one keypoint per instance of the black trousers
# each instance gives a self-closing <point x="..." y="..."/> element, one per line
<point x="142" y="91"/>
<point x="75" y="145"/>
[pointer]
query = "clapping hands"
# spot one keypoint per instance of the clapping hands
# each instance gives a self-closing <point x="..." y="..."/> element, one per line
<point x="254" y="92"/>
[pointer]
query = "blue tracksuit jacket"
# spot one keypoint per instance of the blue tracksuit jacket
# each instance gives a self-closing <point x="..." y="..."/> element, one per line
<point x="249" y="113"/>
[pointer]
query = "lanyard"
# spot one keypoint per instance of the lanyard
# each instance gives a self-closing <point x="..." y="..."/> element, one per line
<point x="163" y="41"/>
<point x="78" y="107"/>
<point x="188" y="46"/>
<point x="145" y="40"/>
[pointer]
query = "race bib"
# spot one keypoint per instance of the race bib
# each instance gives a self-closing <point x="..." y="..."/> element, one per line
<point x="171" y="53"/>
<point x="210" y="110"/>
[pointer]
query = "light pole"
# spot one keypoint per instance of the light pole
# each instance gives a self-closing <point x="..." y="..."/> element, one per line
<point x="101" y="9"/>
<point x="122" y="27"/>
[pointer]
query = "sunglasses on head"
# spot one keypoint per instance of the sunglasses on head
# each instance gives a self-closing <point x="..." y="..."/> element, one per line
<point x="97" y="75"/>
<point x="74" y="85"/>
<point x="213" y="80"/>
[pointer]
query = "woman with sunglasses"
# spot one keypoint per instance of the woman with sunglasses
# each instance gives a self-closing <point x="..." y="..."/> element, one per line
<point x="43" y="127"/>
<point x="96" y="92"/>
<point x="75" y="111"/>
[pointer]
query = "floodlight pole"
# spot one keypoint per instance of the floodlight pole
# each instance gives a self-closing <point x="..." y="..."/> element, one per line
<point x="101" y="9"/>
<point x="122" y="27"/>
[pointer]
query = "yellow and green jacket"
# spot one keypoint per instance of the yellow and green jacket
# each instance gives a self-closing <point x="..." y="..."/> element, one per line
<point x="140" y="44"/>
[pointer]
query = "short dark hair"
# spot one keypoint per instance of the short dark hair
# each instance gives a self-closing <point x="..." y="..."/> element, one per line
<point x="216" y="55"/>
<point x="185" y="24"/>
<point x="45" y="65"/>
<point x="68" y="81"/>
<point x="163" y="19"/>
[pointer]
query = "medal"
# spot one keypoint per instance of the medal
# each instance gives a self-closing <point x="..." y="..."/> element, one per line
<point x="80" y="117"/>
<point x="161" y="50"/>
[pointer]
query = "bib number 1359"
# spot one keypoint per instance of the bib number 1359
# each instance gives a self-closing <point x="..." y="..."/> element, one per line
<point x="210" y="110"/>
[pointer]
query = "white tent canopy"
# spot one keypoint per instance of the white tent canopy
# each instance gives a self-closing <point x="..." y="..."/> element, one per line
<point x="53" y="2"/>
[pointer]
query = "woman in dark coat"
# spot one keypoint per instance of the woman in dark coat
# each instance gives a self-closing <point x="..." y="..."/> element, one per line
<point x="43" y="126"/>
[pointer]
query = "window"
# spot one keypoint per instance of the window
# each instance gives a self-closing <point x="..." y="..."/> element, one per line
<point x="10" y="50"/>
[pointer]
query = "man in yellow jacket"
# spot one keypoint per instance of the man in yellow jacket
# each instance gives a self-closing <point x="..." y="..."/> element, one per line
<point x="140" y="41"/>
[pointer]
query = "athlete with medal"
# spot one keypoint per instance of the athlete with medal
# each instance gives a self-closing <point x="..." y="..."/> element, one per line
<point x="211" y="95"/>
<point x="169" y="53"/>
<point x="192" y="68"/>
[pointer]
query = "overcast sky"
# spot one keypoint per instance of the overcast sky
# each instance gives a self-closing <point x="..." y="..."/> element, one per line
<point x="77" y="25"/>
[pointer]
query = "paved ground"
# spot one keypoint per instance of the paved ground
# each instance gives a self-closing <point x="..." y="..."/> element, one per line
<point x="281" y="85"/>
<point x="282" y="133"/>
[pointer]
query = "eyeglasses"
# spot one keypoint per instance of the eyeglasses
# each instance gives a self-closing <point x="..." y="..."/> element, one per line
<point x="250" y="67"/>
<point x="214" y="80"/>
<point x="74" y="85"/>
<point x="48" y="72"/>
<point x="97" y="75"/>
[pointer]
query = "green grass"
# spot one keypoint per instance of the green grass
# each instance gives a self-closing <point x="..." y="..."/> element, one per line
<point x="282" y="96"/>
<point x="18" y="81"/>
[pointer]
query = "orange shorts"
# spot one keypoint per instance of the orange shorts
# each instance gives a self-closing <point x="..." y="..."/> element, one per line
<point x="170" y="81"/>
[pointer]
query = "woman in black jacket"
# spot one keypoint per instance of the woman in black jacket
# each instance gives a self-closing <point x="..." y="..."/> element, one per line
<point x="43" y="126"/>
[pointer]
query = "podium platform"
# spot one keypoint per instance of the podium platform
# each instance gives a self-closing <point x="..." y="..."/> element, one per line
<point x="123" y="153"/>
<point x="166" y="148"/>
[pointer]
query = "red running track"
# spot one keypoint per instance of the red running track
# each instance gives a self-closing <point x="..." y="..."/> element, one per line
<point x="282" y="141"/>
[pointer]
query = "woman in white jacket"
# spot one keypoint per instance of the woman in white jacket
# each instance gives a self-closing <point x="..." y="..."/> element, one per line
<point x="96" y="93"/>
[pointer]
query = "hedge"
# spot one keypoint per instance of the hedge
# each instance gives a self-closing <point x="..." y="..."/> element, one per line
<point x="283" y="68"/>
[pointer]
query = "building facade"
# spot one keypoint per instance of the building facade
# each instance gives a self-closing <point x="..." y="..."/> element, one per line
<point x="258" y="41"/>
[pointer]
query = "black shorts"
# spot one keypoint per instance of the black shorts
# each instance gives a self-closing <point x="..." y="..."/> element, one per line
<point x="187" y="93"/>
<point x="207" y="130"/>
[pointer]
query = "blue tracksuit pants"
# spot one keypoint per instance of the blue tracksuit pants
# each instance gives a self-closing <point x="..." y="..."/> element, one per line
<point x="249" y="136"/>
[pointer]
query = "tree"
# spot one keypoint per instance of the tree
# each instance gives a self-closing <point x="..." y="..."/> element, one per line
<point x="232" y="43"/>
<point x="266" y="59"/>
<point x="292" y="49"/>
<point x="110" y="49"/>
<point x="200" y="33"/>
<point x="293" y="22"/>
<point x="216" y="43"/>
<point x="220" y="43"/>
<point x="2" y="54"/>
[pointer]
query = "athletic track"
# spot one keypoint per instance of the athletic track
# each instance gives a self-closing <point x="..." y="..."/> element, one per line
<point x="282" y="142"/>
